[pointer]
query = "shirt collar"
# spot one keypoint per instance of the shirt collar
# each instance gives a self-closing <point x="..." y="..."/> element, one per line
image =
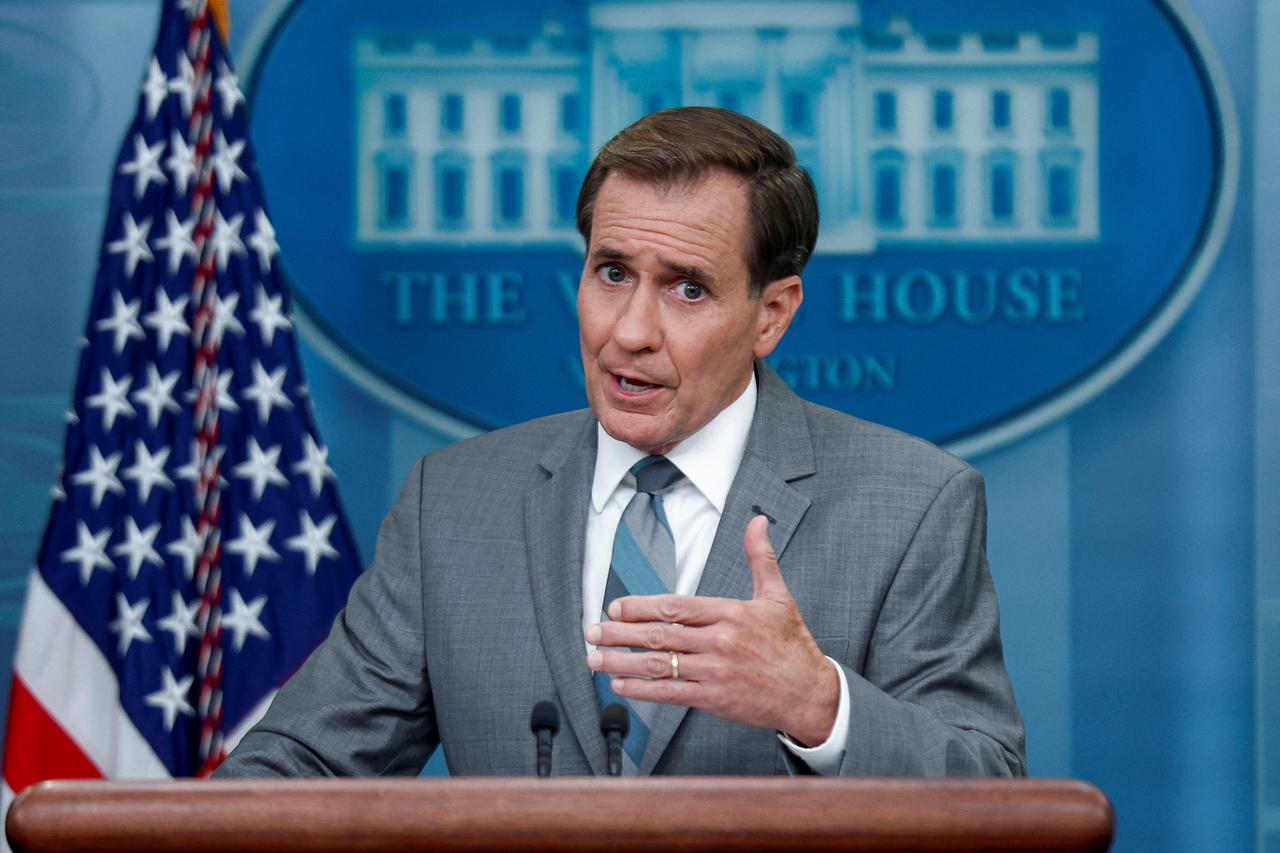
<point x="709" y="458"/>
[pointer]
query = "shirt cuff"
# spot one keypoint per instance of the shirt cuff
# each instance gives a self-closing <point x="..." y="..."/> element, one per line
<point x="824" y="759"/>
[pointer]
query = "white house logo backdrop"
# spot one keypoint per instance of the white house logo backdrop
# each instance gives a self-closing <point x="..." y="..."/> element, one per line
<point x="1018" y="199"/>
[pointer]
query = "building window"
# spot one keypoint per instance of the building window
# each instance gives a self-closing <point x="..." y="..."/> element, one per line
<point x="1000" y="41"/>
<point x="942" y="41"/>
<point x="395" y="182"/>
<point x="943" y="110"/>
<point x="565" y="182"/>
<point x="888" y="169"/>
<point x="1062" y="194"/>
<point x="395" y="115"/>
<point x="1002" y="192"/>
<point x="1001" y="110"/>
<point x="393" y="202"/>
<point x="510" y="195"/>
<point x="451" y="191"/>
<point x="1002" y="187"/>
<point x="508" y="188"/>
<point x="1059" y="110"/>
<point x="570" y="113"/>
<point x="943" y="176"/>
<point x="799" y="113"/>
<point x="451" y="114"/>
<point x="1061" y="191"/>
<point x="886" y="111"/>
<point x="509" y="114"/>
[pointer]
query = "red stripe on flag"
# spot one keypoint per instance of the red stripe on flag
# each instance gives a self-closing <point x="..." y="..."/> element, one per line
<point x="36" y="747"/>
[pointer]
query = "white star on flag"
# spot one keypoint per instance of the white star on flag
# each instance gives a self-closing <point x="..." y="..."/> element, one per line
<point x="184" y="84"/>
<point x="226" y="238"/>
<point x="157" y="395"/>
<point x="267" y="390"/>
<point x="100" y="475"/>
<point x="181" y="162"/>
<point x="128" y="622"/>
<point x="244" y="619"/>
<point x="313" y="541"/>
<point x="147" y="470"/>
<point x="172" y="698"/>
<point x="155" y="89"/>
<point x="181" y="621"/>
<point x="267" y="313"/>
<point x="260" y="468"/>
<point x="315" y="464"/>
<point x="224" y="317"/>
<point x="253" y="544"/>
<point x="226" y="162"/>
<point x="133" y="244"/>
<point x="123" y="321"/>
<point x="90" y="551"/>
<point x="112" y="398"/>
<point x="189" y="547"/>
<point x="145" y="165"/>
<point x="222" y="393"/>
<point x="223" y="399"/>
<point x="228" y="87"/>
<point x="178" y="240"/>
<point x="263" y="241"/>
<point x="191" y="471"/>
<point x="139" y="546"/>
<point x="168" y="318"/>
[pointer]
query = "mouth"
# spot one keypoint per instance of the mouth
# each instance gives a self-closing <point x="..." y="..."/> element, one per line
<point x="633" y="385"/>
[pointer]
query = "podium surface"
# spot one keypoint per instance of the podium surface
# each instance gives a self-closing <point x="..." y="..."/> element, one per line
<point x="563" y="814"/>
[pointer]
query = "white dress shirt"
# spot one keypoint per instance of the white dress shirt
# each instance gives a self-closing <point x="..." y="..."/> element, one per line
<point x="709" y="460"/>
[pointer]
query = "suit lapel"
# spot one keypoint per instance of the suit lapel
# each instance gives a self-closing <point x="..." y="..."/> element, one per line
<point x="779" y="450"/>
<point x="555" y="514"/>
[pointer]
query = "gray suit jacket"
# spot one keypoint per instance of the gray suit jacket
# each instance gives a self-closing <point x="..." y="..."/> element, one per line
<point x="471" y="611"/>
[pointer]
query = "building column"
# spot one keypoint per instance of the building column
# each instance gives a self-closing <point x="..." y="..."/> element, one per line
<point x="771" y="86"/>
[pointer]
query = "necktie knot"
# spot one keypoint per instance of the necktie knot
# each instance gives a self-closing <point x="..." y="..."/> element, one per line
<point x="655" y="474"/>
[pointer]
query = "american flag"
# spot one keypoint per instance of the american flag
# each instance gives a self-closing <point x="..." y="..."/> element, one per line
<point x="196" y="550"/>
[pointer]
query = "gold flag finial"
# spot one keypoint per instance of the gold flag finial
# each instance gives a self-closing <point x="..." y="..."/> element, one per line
<point x="221" y="19"/>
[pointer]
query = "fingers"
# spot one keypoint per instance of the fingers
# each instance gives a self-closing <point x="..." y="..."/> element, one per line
<point x="766" y="577"/>
<point x="649" y="676"/>
<point x="664" y="690"/>
<point x="646" y="635"/>
<point x="644" y="664"/>
<point x="684" y="609"/>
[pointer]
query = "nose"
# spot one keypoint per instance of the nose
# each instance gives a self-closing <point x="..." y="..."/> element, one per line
<point x="638" y="326"/>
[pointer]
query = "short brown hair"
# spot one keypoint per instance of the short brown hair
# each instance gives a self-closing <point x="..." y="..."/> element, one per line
<point x="681" y="145"/>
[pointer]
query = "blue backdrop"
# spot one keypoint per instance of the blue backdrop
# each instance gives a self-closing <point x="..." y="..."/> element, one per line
<point x="1134" y="540"/>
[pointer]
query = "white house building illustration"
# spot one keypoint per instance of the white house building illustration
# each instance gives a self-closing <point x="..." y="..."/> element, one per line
<point x="911" y="137"/>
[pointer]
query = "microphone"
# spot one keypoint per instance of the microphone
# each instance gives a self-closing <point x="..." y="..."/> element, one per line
<point x="545" y="723"/>
<point x="615" y="722"/>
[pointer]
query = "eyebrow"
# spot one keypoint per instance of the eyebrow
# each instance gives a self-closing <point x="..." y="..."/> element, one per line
<point x="610" y="253"/>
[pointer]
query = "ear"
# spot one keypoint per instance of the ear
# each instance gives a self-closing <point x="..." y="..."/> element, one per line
<point x="778" y="304"/>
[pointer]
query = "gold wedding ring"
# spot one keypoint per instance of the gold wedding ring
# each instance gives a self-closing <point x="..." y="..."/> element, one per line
<point x="675" y="665"/>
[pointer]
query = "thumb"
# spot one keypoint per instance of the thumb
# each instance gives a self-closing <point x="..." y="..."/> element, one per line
<point x="766" y="577"/>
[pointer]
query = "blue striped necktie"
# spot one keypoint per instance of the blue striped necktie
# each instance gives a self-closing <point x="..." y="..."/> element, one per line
<point x="643" y="563"/>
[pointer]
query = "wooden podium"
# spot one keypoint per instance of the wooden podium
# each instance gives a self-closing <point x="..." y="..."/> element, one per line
<point x="572" y="814"/>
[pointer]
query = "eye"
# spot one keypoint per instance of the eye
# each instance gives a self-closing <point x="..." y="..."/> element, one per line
<point x="691" y="291"/>
<point x="613" y="273"/>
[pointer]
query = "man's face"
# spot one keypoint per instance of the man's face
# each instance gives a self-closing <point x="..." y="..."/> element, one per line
<point x="667" y="324"/>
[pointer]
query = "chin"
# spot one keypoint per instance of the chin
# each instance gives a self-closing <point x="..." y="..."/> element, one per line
<point x="635" y="435"/>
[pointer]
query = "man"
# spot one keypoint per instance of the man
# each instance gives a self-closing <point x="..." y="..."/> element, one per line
<point x="844" y="621"/>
